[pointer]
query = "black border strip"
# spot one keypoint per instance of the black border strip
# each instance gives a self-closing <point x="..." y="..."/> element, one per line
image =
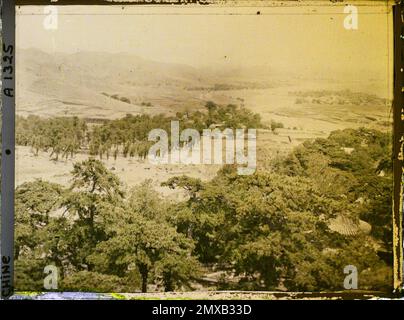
<point x="7" y="151"/>
<point x="398" y="146"/>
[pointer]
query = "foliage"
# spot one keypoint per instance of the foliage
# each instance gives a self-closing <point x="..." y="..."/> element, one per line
<point x="266" y="231"/>
<point x="59" y="136"/>
<point x="67" y="136"/>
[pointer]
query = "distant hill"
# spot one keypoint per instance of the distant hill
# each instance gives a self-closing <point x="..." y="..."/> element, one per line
<point x="105" y="85"/>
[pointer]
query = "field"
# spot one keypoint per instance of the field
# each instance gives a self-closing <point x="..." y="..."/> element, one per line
<point x="93" y="89"/>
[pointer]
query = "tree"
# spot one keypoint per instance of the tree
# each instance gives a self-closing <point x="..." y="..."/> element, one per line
<point x="145" y="200"/>
<point x="148" y="246"/>
<point x="39" y="229"/>
<point x="92" y="194"/>
<point x="92" y="185"/>
<point x="34" y="201"/>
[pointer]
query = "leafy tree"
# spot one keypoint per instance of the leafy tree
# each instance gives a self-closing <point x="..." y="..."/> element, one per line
<point x="146" y="245"/>
<point x="145" y="200"/>
<point x="34" y="202"/>
<point x="92" y="185"/>
<point x="93" y="191"/>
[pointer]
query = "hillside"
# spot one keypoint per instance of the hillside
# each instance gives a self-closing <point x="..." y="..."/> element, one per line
<point x="102" y="85"/>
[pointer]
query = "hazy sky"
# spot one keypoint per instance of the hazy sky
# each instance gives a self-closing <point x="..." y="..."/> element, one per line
<point x="299" y="38"/>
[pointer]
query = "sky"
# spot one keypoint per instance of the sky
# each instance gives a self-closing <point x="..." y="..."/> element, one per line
<point x="308" y="39"/>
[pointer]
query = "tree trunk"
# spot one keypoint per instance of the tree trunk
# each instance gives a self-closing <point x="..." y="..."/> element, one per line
<point x="144" y="282"/>
<point x="144" y="271"/>
<point x="168" y="283"/>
